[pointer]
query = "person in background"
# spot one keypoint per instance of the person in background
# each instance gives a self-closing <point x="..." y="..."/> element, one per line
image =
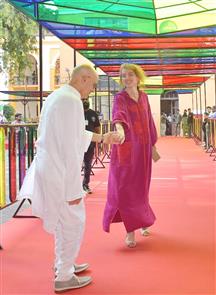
<point x="190" y="122"/>
<point x="92" y="124"/>
<point x="18" y="119"/>
<point x="209" y="110"/>
<point x="205" y="129"/>
<point x="184" y="123"/>
<point x="54" y="181"/>
<point x="131" y="162"/>
<point x="212" y="115"/>
<point x="169" y="124"/>
<point x="163" y="120"/>
<point x="177" y="118"/>
<point x="34" y="78"/>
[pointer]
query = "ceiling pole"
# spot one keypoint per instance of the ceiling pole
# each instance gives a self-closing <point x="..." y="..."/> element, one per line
<point x="41" y="65"/>
<point x="74" y="58"/>
<point x="109" y="98"/>
<point x="192" y="101"/>
<point x="40" y="35"/>
<point x="205" y="94"/>
<point x="196" y="103"/>
<point x="215" y="88"/>
<point x="200" y="100"/>
<point x="96" y="93"/>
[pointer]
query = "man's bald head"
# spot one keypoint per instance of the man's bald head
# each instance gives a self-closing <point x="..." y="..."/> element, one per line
<point x="83" y="70"/>
<point x="84" y="78"/>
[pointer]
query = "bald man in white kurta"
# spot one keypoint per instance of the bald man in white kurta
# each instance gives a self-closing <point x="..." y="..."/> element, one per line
<point x="54" y="177"/>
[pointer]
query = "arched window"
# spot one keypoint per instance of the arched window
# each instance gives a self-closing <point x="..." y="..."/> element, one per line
<point x="31" y="73"/>
<point x="169" y="94"/>
<point x="169" y="102"/>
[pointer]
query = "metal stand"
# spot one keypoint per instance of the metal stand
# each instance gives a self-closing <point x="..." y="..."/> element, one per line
<point x="107" y="155"/>
<point x="97" y="159"/>
<point x="18" y="209"/>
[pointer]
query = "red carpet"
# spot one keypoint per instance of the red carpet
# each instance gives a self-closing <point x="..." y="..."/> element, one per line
<point x="178" y="257"/>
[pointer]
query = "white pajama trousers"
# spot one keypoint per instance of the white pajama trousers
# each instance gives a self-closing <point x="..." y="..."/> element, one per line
<point x="68" y="238"/>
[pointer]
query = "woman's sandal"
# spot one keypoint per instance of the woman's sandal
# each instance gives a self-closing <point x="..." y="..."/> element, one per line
<point x="144" y="231"/>
<point x="130" y="240"/>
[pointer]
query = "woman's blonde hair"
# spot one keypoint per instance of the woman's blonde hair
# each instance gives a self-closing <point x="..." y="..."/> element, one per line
<point x="138" y="71"/>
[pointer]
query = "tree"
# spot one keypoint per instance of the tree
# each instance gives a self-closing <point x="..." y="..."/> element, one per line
<point x="17" y="38"/>
<point x="8" y="112"/>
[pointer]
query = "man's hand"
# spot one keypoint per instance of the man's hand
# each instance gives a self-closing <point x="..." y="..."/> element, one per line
<point x="112" y="137"/>
<point x="74" y="202"/>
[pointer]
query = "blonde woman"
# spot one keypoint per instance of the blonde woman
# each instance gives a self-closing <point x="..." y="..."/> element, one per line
<point x="131" y="162"/>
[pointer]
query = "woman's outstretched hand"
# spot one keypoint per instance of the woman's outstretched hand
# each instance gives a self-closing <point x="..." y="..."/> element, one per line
<point x="121" y="132"/>
<point x="155" y="154"/>
<point x="112" y="137"/>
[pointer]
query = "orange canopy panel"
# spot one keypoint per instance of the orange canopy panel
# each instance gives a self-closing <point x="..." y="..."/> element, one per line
<point x="142" y="43"/>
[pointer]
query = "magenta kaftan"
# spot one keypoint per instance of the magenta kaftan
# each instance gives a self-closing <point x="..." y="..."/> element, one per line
<point x="131" y="165"/>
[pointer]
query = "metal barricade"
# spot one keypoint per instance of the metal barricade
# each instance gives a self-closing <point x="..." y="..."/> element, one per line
<point x="212" y="138"/>
<point x="17" y="150"/>
<point x="16" y="154"/>
<point x="197" y="127"/>
<point x="210" y="134"/>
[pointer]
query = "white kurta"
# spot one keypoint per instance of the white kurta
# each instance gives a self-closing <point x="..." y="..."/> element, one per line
<point x="55" y="174"/>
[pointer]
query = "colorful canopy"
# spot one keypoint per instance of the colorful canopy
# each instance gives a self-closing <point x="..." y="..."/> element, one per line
<point x="168" y="38"/>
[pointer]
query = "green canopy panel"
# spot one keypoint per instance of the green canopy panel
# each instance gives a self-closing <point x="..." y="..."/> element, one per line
<point x="143" y="16"/>
<point x="153" y="53"/>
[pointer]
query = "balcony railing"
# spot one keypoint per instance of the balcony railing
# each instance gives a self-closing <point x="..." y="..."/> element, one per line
<point x="27" y="80"/>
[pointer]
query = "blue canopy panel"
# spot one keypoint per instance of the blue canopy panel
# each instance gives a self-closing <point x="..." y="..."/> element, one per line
<point x="184" y="91"/>
<point x="113" y="61"/>
<point x="72" y="31"/>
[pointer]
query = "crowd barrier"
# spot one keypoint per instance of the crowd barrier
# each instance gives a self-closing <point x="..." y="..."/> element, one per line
<point x="212" y="135"/>
<point x="17" y="151"/>
<point x="210" y="142"/>
<point x="197" y="128"/>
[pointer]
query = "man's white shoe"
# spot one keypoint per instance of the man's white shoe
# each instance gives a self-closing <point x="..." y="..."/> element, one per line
<point x="80" y="267"/>
<point x="74" y="283"/>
